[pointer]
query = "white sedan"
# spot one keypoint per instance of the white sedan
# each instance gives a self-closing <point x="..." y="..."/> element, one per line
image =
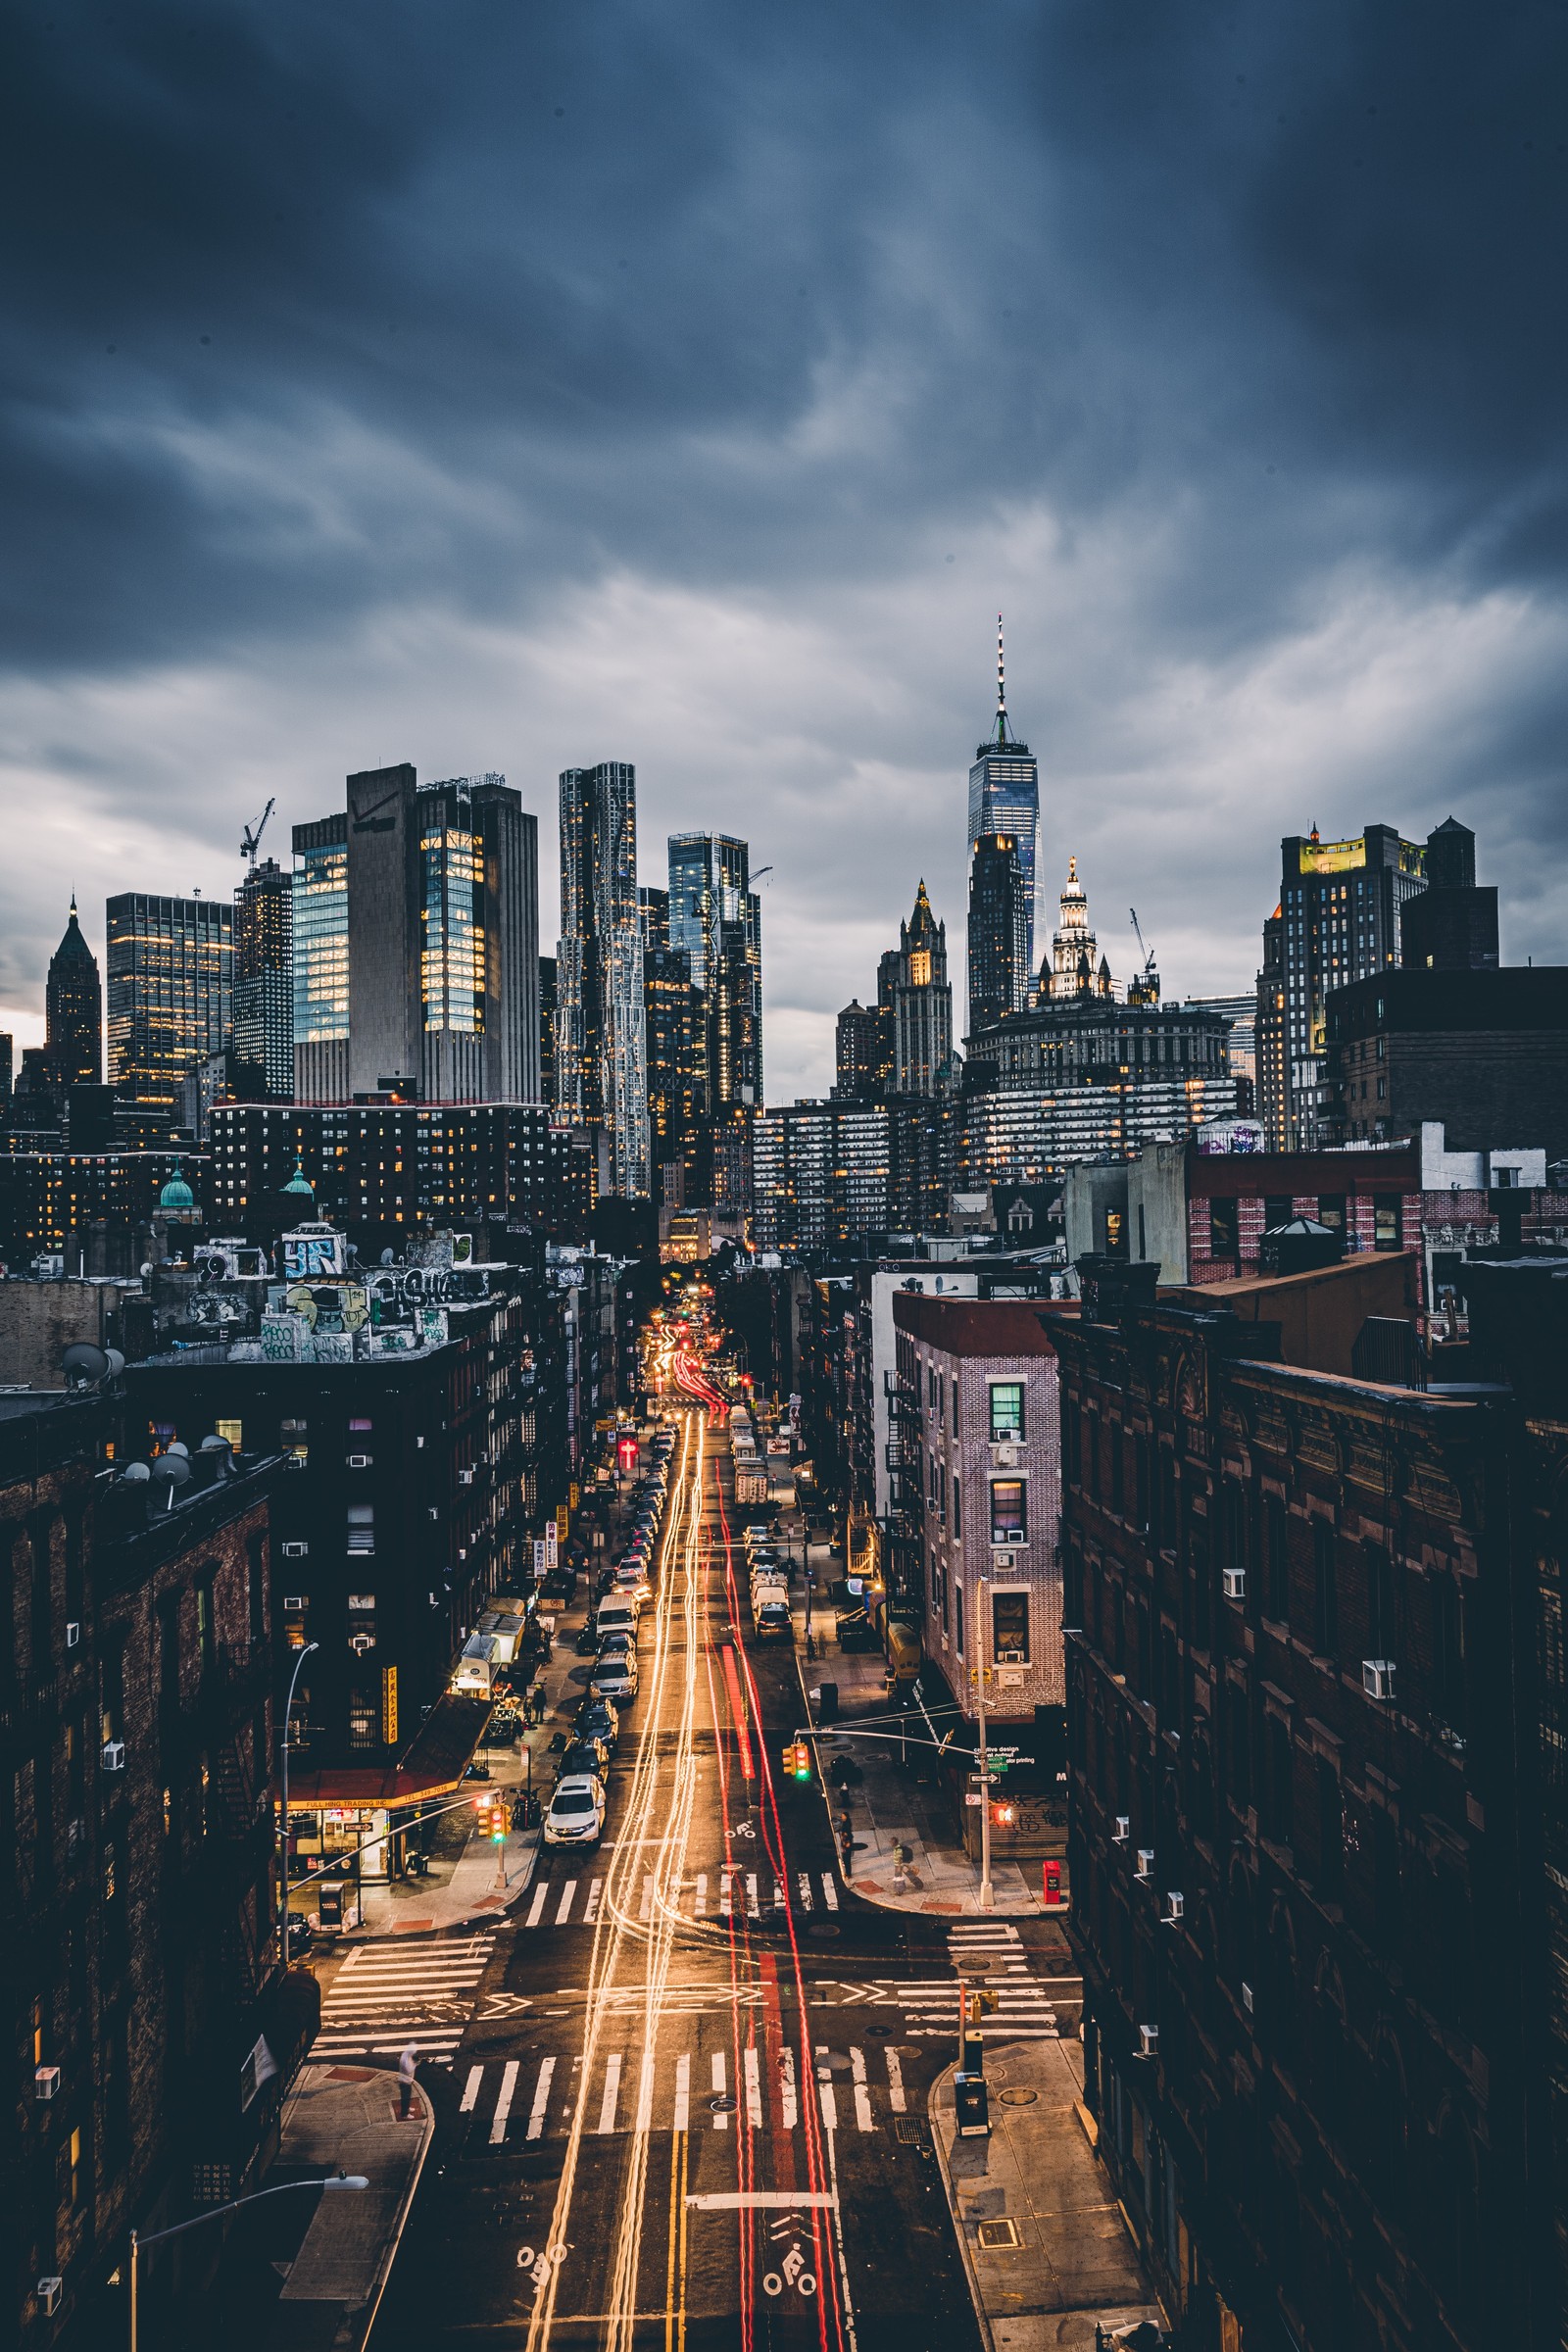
<point x="576" y="1815"/>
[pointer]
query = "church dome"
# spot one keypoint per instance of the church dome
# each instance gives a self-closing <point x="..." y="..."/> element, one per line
<point x="299" y="1182"/>
<point x="176" y="1193"/>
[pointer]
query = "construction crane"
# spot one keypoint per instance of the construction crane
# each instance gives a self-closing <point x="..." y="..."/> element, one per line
<point x="253" y="835"/>
<point x="761" y="871"/>
<point x="1147" y="953"/>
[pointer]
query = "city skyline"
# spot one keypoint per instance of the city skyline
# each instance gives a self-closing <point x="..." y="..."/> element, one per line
<point x="1282" y="557"/>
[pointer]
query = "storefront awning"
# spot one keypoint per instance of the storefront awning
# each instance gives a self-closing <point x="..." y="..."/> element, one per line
<point x="431" y="1765"/>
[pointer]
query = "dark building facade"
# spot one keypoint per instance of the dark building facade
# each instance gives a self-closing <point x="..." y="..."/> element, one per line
<point x="1450" y="926"/>
<point x="999" y="968"/>
<point x="264" y="984"/>
<point x="153" y="2030"/>
<point x="680" y="1141"/>
<point x="862" y="1052"/>
<point x="46" y="1196"/>
<point x="600" y="1039"/>
<point x="73" y="1012"/>
<point x="1483" y="1050"/>
<point x="1299" y="1655"/>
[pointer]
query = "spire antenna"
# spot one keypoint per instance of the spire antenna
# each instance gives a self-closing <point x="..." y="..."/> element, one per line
<point x="1001" y="732"/>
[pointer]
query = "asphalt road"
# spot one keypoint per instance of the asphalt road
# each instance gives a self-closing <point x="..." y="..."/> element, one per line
<point x="689" y="2107"/>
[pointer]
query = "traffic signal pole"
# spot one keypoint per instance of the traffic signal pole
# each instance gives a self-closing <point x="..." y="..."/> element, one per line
<point x="988" y="1897"/>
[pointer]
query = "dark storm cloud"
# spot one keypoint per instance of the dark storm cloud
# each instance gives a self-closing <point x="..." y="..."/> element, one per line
<point x="316" y="321"/>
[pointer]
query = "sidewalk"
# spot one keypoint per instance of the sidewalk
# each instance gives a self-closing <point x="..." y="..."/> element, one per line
<point x="1048" y="2253"/>
<point x="893" y="1803"/>
<point x="347" y="2117"/>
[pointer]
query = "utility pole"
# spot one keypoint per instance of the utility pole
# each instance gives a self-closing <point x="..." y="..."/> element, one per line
<point x="288" y="1716"/>
<point x="988" y="1899"/>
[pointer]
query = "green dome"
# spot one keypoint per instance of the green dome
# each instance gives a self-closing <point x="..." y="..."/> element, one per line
<point x="176" y="1193"/>
<point x="299" y="1182"/>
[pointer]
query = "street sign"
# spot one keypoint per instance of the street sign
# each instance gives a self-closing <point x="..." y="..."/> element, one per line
<point x="972" y="1796"/>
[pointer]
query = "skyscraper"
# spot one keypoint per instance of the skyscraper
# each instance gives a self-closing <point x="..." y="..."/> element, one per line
<point x="922" y="1004"/>
<point x="1073" y="970"/>
<point x="600" y="1039"/>
<point x="1450" y="926"/>
<point x="1004" y="797"/>
<point x="416" y="942"/>
<point x="1339" y="908"/>
<point x="999" y="931"/>
<point x="73" y="1010"/>
<point x="170" y="996"/>
<point x="320" y="919"/>
<point x="264" y="984"/>
<point x="680" y="1162"/>
<point x="864" y="1053"/>
<point x="716" y="916"/>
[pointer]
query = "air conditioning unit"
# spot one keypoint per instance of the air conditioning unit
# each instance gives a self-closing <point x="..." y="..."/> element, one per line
<point x="1148" y="2041"/>
<point x="1010" y="1657"/>
<point x="358" y="1461"/>
<point x="1246" y="1999"/>
<point x="1235" y="1580"/>
<point x="295" y="1603"/>
<point x="1124" y="1829"/>
<point x="1145" y="1863"/>
<point x="1004" y="1457"/>
<point x="113" y="1756"/>
<point x="360" y="1643"/>
<point x="73" y="1635"/>
<point x="1377" y="1677"/>
<point x="464" y="1478"/>
<point x="296" y="1552"/>
<point x="50" y="2292"/>
<point x="1175" y="1908"/>
<point x="45" y="2082"/>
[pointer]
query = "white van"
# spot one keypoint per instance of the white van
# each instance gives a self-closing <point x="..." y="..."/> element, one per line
<point x="618" y="1614"/>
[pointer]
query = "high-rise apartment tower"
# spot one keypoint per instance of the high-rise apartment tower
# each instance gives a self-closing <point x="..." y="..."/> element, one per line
<point x="601" y="1039"/>
<point x="1004" y="797"/>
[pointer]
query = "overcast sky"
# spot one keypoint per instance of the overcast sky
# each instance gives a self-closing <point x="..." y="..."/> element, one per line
<point x="515" y="386"/>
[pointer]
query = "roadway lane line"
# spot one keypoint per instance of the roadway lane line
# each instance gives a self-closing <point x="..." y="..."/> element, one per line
<point x="508" y="2083"/>
<point x="763" y="2201"/>
<point x="683" y="2091"/>
<point x="541" y="2101"/>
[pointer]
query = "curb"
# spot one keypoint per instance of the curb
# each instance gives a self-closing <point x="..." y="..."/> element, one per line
<point x="384" y="2271"/>
<point x="982" y="2316"/>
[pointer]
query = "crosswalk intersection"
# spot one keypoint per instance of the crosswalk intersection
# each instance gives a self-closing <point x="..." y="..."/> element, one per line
<point x="386" y="1995"/>
<point x="988" y="1952"/>
<point x="536" y="2098"/>
<point x="718" y="1895"/>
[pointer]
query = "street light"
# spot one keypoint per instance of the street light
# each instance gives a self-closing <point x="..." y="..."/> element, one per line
<point x="215" y="2213"/>
<point x="282" y="1895"/>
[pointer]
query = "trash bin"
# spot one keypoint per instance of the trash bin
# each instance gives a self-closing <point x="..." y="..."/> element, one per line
<point x="827" y="1703"/>
<point x="330" y="1903"/>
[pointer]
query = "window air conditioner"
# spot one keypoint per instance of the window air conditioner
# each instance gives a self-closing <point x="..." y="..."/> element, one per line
<point x="1377" y="1677"/>
<point x="1246" y="1999"/>
<point x="1010" y="1657"/>
<point x="1175" y="1907"/>
<point x="358" y="1461"/>
<point x="1145" y="1863"/>
<point x="1236" y="1584"/>
<point x="295" y="1551"/>
<point x="113" y="1758"/>
<point x="50" y="2292"/>
<point x="73" y="1635"/>
<point x="1148" y="2041"/>
<point x="1004" y="1457"/>
<point x="45" y="2082"/>
<point x="1123" y="1829"/>
<point x="295" y="1602"/>
<point x="464" y="1478"/>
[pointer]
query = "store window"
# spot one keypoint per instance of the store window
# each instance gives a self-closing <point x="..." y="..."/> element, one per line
<point x="1386" y="1221"/>
<point x="361" y="1527"/>
<point x="233" y="1432"/>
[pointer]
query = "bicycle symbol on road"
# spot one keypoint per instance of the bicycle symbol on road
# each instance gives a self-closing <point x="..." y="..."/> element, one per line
<point x="792" y="2271"/>
<point x="540" y="2266"/>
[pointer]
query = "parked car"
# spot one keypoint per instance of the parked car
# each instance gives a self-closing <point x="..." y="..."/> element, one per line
<point x="585" y="1756"/>
<point x="616" y="1611"/>
<point x="576" y="1814"/>
<point x="597" y="1719"/>
<point x="615" y="1676"/>
<point x="587" y="1638"/>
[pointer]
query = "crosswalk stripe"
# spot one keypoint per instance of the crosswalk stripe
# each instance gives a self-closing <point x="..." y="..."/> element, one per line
<point x="753" y="2086"/>
<point x="606" y="2105"/>
<point x="896" y="2098"/>
<point x="590" y="1909"/>
<point x="541" y="2100"/>
<point x="827" y="2099"/>
<point x="830" y="1893"/>
<point x="354" y="2045"/>
<point x="508" y="2083"/>
<point x="721" y="2121"/>
<point x="751" y="1911"/>
<point x="806" y="1890"/>
<point x="470" y="2091"/>
<point x="683" y="2091"/>
<point x="862" y="2092"/>
<point x="646" y="1911"/>
<point x="724" y="1878"/>
<point x="537" y="1906"/>
<point x="645" y="2094"/>
<point x="564" y="1910"/>
<point x="787" y="2090"/>
<point x="701" y="1895"/>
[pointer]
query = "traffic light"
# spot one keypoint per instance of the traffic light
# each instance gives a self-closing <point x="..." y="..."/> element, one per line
<point x="491" y="1817"/>
<point x="797" y="1760"/>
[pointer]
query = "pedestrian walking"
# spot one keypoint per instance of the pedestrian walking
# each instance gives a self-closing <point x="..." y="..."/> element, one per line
<point x="406" y="2065"/>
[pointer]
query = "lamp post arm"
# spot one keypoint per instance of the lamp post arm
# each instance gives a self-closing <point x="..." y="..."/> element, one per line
<point x="216" y="2211"/>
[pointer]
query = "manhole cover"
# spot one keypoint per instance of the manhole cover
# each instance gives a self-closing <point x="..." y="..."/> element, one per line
<point x="823" y="1930"/>
<point x="723" y="2104"/>
<point x="997" y="2235"/>
<point x="832" y="2062"/>
<point x="881" y="2032"/>
<point x="1018" y="2098"/>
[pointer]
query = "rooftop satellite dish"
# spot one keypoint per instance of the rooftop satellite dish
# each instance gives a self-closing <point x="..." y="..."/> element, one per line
<point x="83" y="1364"/>
<point x="216" y="1444"/>
<point x="171" y="1469"/>
<point x="387" y="1257"/>
<point x="134" y="1473"/>
<point x="178" y="1447"/>
<point x="116" y="1362"/>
